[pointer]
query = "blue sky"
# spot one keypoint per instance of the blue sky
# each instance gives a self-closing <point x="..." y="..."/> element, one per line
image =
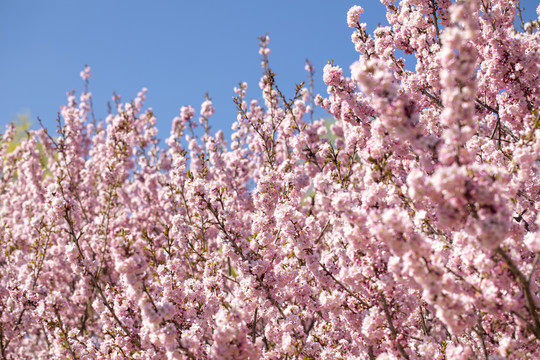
<point x="179" y="50"/>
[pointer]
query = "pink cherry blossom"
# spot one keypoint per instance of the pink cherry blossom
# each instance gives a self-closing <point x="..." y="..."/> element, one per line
<point x="406" y="227"/>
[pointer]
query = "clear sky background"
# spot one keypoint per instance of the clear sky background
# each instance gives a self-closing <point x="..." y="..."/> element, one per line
<point x="179" y="50"/>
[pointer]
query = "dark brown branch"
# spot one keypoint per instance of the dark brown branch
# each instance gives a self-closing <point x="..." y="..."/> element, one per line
<point x="525" y="285"/>
<point x="254" y="327"/>
<point x="436" y="21"/>
<point x="423" y="322"/>
<point x="64" y="334"/>
<point x="534" y="265"/>
<point x="479" y="329"/>
<point x="392" y="327"/>
<point x="364" y="304"/>
<point x="432" y="97"/>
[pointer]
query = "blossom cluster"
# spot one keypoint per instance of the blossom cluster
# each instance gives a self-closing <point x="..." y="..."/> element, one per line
<point x="407" y="228"/>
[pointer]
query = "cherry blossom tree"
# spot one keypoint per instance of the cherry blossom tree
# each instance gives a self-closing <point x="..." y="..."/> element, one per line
<point x="408" y="229"/>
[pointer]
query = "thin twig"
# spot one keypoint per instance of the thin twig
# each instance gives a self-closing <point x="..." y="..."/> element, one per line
<point x="366" y="305"/>
<point x="391" y="327"/>
<point x="423" y="322"/>
<point x="534" y="265"/>
<point x="254" y="327"/>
